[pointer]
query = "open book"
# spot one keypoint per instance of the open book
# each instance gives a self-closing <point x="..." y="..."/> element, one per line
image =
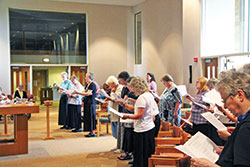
<point x="118" y="98"/>
<point x="182" y="89"/>
<point x="214" y="121"/>
<point x="121" y="115"/>
<point x="104" y="93"/>
<point x="200" y="146"/>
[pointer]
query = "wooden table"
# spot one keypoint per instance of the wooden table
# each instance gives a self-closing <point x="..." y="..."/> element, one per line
<point x="19" y="145"/>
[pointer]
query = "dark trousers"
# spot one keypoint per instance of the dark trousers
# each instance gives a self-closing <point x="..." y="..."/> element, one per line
<point x="144" y="147"/>
<point x="89" y="117"/>
<point x="157" y="124"/>
<point x="63" y="118"/>
<point x="75" y="116"/>
<point x="127" y="144"/>
<point x="203" y="128"/>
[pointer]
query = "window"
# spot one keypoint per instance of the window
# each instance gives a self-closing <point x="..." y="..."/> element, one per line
<point x="138" y="38"/>
<point x="38" y="37"/>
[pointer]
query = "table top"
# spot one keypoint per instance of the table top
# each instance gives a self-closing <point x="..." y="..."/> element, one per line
<point x="18" y="109"/>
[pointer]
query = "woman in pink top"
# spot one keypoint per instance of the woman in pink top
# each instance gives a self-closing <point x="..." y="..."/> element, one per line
<point x="151" y="82"/>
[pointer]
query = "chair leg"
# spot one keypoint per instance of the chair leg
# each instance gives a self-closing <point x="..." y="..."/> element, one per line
<point x="107" y="128"/>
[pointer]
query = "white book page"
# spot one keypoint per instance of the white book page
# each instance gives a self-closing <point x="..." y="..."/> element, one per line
<point x="200" y="146"/>
<point x="182" y="89"/>
<point x="100" y="100"/>
<point x="118" y="97"/>
<point x="213" y="97"/>
<point x="115" y="112"/>
<point x="214" y="121"/>
<point x="130" y="121"/>
<point x="102" y="91"/>
<point x="188" y="122"/>
<point x="201" y="105"/>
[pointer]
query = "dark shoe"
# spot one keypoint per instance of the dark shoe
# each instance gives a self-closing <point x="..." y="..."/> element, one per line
<point x="77" y="130"/>
<point x="125" y="157"/>
<point x="64" y="127"/>
<point x="131" y="162"/>
<point x="68" y="128"/>
<point x="90" y="135"/>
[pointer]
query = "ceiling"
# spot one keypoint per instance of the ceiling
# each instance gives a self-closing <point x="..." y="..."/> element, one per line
<point x="107" y="2"/>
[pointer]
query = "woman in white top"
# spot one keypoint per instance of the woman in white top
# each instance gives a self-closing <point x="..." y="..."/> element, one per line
<point x="116" y="90"/>
<point x="144" y="127"/>
<point x="74" y="105"/>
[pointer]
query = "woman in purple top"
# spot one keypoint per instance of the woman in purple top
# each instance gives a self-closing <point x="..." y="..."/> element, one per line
<point x="199" y="107"/>
<point x="151" y="82"/>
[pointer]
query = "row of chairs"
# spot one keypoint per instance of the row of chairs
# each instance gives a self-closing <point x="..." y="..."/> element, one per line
<point x="165" y="152"/>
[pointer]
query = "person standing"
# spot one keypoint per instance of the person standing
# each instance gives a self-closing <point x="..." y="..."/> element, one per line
<point x="170" y="103"/>
<point x="198" y="107"/>
<point x="116" y="90"/>
<point x="63" y="117"/>
<point x="235" y="92"/>
<point x="151" y="82"/>
<point x="89" y="105"/>
<point x="75" y="102"/>
<point x="144" y="127"/>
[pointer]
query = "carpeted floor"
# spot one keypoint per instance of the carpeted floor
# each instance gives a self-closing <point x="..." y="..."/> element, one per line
<point x="67" y="150"/>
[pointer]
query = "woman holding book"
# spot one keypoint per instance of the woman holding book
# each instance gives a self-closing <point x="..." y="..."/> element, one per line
<point x="144" y="127"/>
<point x="63" y="117"/>
<point x="235" y="92"/>
<point x="199" y="107"/>
<point x="89" y="105"/>
<point x="116" y="90"/>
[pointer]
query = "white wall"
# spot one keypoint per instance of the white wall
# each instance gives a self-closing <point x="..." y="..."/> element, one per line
<point x="4" y="48"/>
<point x="161" y="40"/>
<point x="191" y="42"/>
<point x="170" y="32"/>
<point x="107" y="35"/>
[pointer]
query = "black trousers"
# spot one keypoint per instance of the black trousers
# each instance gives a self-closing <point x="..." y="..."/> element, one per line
<point x="75" y="116"/>
<point x="127" y="144"/>
<point x="63" y="117"/>
<point x="157" y="124"/>
<point x="89" y="117"/>
<point x="203" y="128"/>
<point x="144" y="147"/>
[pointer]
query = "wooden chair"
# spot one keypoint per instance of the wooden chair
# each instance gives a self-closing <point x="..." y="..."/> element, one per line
<point x="157" y="161"/>
<point x="176" y="138"/>
<point x="165" y="129"/>
<point x="102" y="118"/>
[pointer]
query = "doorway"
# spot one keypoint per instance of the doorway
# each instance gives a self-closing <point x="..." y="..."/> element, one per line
<point x="40" y="79"/>
<point x="20" y="76"/>
<point x="211" y="68"/>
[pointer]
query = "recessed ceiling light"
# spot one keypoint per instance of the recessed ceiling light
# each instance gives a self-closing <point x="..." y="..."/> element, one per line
<point x="46" y="60"/>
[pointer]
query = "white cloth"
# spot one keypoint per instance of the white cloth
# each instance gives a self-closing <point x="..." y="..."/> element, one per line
<point x="146" y="101"/>
<point x="118" y="91"/>
<point x="77" y="100"/>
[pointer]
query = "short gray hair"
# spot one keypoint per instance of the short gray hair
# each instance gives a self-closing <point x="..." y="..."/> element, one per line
<point x="245" y="69"/>
<point x="112" y="79"/>
<point x="91" y="75"/>
<point x="139" y="85"/>
<point x="212" y="82"/>
<point x="233" y="81"/>
<point x="64" y="74"/>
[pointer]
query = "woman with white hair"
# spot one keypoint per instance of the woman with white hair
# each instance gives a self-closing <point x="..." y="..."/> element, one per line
<point x="116" y="90"/>
<point x="63" y="117"/>
<point x="235" y="92"/>
<point x="144" y="127"/>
